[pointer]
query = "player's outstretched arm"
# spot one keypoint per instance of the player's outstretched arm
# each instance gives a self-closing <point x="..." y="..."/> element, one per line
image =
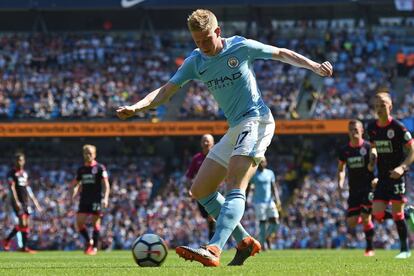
<point x="153" y="99"/>
<point x="34" y="199"/>
<point x="324" y="69"/>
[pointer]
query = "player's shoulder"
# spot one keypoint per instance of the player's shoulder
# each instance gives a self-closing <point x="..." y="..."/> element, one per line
<point x="100" y="166"/>
<point x="236" y="39"/>
<point x="398" y="124"/>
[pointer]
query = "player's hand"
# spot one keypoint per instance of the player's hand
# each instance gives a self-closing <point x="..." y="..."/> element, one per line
<point x="374" y="183"/>
<point x="18" y="207"/>
<point x="372" y="161"/>
<point x="397" y="172"/>
<point x="39" y="209"/>
<point x="279" y="206"/>
<point x="341" y="198"/>
<point x="125" y="112"/>
<point x="324" y="69"/>
<point x="105" y="203"/>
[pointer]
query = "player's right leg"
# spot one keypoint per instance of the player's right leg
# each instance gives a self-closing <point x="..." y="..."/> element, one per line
<point x="81" y="227"/>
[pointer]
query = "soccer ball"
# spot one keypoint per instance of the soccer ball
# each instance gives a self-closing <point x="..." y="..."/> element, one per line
<point x="149" y="250"/>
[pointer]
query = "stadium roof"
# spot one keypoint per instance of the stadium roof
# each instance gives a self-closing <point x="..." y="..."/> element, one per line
<point x="154" y="4"/>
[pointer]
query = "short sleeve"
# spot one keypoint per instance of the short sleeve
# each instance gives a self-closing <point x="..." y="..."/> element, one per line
<point x="78" y="175"/>
<point x="104" y="172"/>
<point x="273" y="177"/>
<point x="341" y="155"/>
<point x="258" y="50"/>
<point x="406" y="135"/>
<point x="185" y="73"/>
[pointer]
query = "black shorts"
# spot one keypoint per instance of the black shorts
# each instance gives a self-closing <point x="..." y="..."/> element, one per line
<point x="203" y="211"/>
<point x="390" y="190"/>
<point x="358" y="202"/>
<point x="94" y="208"/>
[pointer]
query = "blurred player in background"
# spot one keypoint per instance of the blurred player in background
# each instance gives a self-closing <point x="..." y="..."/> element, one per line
<point x="388" y="138"/>
<point x="20" y="192"/>
<point x="354" y="157"/>
<point x="207" y="142"/>
<point x="266" y="202"/>
<point x="92" y="181"/>
<point x="224" y="65"/>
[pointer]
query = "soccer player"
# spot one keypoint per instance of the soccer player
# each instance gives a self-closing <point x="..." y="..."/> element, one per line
<point x="355" y="158"/>
<point x="207" y="142"/>
<point x="20" y="193"/>
<point x="92" y="181"/>
<point x="225" y="66"/>
<point x="264" y="197"/>
<point x="388" y="138"/>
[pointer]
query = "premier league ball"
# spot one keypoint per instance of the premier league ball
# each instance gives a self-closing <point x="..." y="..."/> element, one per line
<point x="149" y="250"/>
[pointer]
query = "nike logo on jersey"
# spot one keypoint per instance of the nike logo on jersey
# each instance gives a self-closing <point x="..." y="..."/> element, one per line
<point x="130" y="3"/>
<point x="237" y="147"/>
<point x="202" y="72"/>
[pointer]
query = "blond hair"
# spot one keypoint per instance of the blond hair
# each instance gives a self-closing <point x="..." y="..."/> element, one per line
<point x="384" y="96"/>
<point x="202" y="20"/>
<point x="87" y="146"/>
<point x="355" y="122"/>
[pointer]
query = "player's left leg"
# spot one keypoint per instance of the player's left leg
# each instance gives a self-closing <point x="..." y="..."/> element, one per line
<point x="240" y="170"/>
<point x="398" y="214"/>
<point x="96" y="221"/>
<point x="369" y="234"/>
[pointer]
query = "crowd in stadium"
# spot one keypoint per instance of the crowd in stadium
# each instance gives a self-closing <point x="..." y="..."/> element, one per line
<point x="88" y="75"/>
<point x="77" y="76"/>
<point x="144" y="197"/>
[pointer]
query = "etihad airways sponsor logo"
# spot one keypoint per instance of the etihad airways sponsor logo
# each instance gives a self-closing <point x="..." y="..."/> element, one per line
<point x="130" y="3"/>
<point x="223" y="81"/>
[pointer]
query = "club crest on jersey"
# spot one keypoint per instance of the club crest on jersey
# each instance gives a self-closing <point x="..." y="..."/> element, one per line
<point x="233" y="62"/>
<point x="407" y="136"/>
<point x="363" y="151"/>
<point x="390" y="133"/>
<point x="94" y="170"/>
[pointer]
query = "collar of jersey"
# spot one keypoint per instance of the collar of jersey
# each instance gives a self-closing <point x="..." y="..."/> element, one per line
<point x="225" y="44"/>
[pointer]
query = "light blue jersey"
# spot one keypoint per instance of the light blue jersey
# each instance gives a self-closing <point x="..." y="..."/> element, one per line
<point x="229" y="77"/>
<point x="262" y="181"/>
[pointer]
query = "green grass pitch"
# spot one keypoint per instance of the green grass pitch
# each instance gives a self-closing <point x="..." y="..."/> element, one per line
<point x="283" y="262"/>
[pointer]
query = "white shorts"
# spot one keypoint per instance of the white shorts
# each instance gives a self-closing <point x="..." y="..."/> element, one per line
<point x="265" y="211"/>
<point x="250" y="137"/>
